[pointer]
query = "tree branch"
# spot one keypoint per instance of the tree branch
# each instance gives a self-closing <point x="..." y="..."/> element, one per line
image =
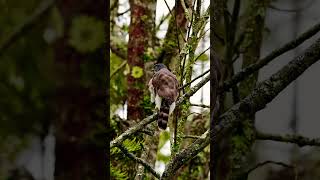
<point x="194" y="89"/>
<point x="256" y="66"/>
<point x="200" y="105"/>
<point x="22" y="29"/>
<point x="264" y="93"/>
<point x="132" y="130"/>
<point x="123" y="64"/>
<point x="162" y="20"/>
<point x="295" y="139"/>
<point x="138" y="160"/>
<point x="191" y="136"/>
<point x="126" y="11"/>
<point x="187" y="84"/>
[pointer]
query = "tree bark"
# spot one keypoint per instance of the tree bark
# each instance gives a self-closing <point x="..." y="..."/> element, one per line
<point x="141" y="37"/>
<point x="76" y="157"/>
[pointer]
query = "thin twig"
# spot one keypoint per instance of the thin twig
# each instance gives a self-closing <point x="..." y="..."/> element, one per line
<point x="162" y="20"/>
<point x="123" y="64"/>
<point x="201" y="54"/>
<point x="187" y="84"/>
<point x="138" y="160"/>
<point x="120" y="14"/>
<point x="200" y="105"/>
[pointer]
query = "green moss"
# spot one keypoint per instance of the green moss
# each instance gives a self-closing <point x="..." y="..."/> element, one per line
<point x="144" y="17"/>
<point x="136" y="72"/>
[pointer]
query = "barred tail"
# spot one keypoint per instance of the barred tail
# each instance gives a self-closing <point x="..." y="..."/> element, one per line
<point x="163" y="115"/>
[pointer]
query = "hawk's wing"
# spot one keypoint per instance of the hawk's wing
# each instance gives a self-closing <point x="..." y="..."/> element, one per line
<point x="165" y="84"/>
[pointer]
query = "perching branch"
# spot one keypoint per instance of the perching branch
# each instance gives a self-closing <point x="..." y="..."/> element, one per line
<point x="254" y="67"/>
<point x="264" y="93"/>
<point x="132" y="130"/>
<point x="22" y="29"/>
<point x="151" y="118"/>
<point x="295" y="139"/>
<point x="138" y="160"/>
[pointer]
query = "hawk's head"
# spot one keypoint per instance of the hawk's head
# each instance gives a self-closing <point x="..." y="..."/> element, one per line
<point x="159" y="66"/>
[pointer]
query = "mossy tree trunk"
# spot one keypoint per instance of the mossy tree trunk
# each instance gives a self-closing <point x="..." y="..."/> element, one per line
<point x="244" y="135"/>
<point x="230" y="153"/>
<point x="141" y="40"/>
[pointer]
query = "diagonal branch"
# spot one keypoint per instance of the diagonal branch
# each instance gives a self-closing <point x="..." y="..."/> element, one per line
<point x="200" y="105"/>
<point x="123" y="64"/>
<point x="295" y="139"/>
<point x="274" y="54"/>
<point x="132" y="130"/>
<point x="22" y="29"/>
<point x="187" y="84"/>
<point x="138" y="160"/>
<point x="264" y="93"/>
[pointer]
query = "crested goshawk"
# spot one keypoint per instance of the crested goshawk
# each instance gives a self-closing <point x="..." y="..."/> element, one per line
<point x="164" y="90"/>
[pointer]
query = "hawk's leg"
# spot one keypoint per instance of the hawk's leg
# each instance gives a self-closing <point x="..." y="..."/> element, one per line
<point x="172" y="106"/>
<point x="158" y="100"/>
<point x="152" y="94"/>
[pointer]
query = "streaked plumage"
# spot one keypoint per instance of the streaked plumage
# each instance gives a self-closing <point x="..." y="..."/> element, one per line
<point x="164" y="92"/>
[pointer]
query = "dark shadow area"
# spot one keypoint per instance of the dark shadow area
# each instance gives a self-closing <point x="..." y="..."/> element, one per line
<point x="53" y="89"/>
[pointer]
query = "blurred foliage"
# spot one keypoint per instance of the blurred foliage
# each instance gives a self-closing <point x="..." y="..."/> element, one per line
<point x="163" y="139"/>
<point x="118" y="85"/>
<point x="28" y="72"/>
<point x="118" y="170"/>
<point x="86" y="33"/>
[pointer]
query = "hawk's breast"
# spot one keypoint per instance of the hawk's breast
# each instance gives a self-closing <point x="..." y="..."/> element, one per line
<point x="165" y="84"/>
